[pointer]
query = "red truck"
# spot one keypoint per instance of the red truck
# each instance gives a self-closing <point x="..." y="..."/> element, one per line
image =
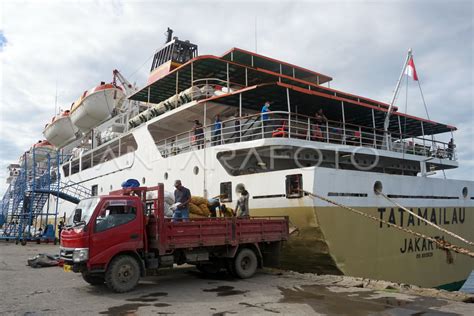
<point x="120" y="237"/>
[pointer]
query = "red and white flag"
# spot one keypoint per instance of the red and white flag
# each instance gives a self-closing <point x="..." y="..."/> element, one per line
<point x="410" y="69"/>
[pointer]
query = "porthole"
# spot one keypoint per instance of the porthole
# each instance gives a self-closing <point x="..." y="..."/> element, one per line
<point x="465" y="192"/>
<point x="143" y="180"/>
<point x="111" y="187"/>
<point x="196" y="170"/>
<point x="378" y="187"/>
<point x="166" y="175"/>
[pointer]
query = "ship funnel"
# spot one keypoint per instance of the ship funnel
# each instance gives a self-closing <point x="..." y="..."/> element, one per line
<point x="173" y="54"/>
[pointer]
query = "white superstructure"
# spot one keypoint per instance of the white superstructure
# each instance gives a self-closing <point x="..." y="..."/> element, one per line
<point x="342" y="153"/>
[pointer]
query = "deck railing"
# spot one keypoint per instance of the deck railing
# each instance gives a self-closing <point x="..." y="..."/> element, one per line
<point x="281" y="124"/>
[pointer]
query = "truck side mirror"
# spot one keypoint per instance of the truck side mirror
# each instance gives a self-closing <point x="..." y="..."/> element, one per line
<point x="77" y="215"/>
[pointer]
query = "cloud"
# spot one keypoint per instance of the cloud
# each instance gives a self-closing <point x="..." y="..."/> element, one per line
<point x="67" y="47"/>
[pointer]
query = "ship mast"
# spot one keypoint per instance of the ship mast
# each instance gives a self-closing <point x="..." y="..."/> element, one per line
<point x="394" y="97"/>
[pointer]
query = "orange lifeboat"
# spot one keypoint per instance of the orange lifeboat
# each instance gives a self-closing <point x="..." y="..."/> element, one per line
<point x="41" y="150"/>
<point x="96" y="105"/>
<point x="60" y="131"/>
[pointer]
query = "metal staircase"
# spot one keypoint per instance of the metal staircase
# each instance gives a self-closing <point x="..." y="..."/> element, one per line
<point x="30" y="204"/>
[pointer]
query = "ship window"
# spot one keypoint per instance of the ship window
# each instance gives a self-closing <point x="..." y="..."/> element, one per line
<point x="226" y="192"/>
<point x="86" y="162"/>
<point x="128" y="144"/>
<point x="75" y="166"/>
<point x="294" y="186"/>
<point x="94" y="190"/>
<point x="106" y="153"/>
<point x="66" y="169"/>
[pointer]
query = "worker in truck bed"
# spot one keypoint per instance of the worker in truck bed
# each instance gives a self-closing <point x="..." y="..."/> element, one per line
<point x="182" y="195"/>
<point x="242" y="202"/>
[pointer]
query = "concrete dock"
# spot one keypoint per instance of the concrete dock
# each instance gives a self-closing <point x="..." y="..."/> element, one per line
<point x="50" y="291"/>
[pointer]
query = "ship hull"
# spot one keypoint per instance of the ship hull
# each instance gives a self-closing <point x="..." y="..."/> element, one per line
<point x="335" y="241"/>
<point x="331" y="239"/>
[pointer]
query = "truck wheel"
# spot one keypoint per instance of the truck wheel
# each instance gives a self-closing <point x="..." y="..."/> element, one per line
<point x="123" y="274"/>
<point x="93" y="279"/>
<point x="245" y="263"/>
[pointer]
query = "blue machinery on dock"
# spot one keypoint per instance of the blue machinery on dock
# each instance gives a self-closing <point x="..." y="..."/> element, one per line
<point x="30" y="206"/>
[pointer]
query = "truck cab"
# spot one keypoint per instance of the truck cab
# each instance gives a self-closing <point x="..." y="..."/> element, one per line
<point x="120" y="237"/>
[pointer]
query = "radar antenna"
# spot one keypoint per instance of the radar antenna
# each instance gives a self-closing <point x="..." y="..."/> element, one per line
<point x="169" y="35"/>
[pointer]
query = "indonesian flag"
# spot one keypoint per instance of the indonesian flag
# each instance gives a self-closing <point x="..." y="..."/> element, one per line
<point x="410" y="70"/>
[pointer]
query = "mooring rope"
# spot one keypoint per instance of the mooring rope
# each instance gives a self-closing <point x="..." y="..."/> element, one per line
<point x="427" y="221"/>
<point x="441" y="243"/>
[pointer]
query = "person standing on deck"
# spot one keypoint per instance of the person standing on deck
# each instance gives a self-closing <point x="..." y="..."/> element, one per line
<point x="242" y="202"/>
<point x="265" y="116"/>
<point x="451" y="147"/>
<point x="320" y="128"/>
<point x="198" y="134"/>
<point x="217" y="131"/>
<point x="182" y="195"/>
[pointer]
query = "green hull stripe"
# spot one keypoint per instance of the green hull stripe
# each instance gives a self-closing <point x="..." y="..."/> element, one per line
<point x="455" y="286"/>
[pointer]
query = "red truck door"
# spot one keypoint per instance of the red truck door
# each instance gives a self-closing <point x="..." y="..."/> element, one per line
<point x="117" y="226"/>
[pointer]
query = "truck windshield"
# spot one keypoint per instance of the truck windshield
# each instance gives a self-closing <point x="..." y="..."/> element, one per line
<point x="83" y="212"/>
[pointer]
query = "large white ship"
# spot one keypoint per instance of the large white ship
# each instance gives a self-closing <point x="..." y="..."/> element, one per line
<point x="343" y="153"/>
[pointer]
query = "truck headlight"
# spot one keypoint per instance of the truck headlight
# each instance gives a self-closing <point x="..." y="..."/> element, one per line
<point x="80" y="254"/>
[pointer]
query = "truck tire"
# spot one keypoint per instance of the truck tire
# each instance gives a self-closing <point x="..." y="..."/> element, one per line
<point x="122" y="274"/>
<point x="245" y="263"/>
<point x="93" y="279"/>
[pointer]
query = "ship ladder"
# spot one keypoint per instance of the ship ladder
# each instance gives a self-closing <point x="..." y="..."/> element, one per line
<point x="439" y="242"/>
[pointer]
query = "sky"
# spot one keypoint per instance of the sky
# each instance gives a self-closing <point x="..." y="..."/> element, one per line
<point x="61" y="48"/>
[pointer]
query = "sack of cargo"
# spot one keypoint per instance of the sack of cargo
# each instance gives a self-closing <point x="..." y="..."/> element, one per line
<point x="167" y="211"/>
<point x="198" y="200"/>
<point x="174" y="207"/>
<point x="204" y="209"/>
<point x="207" y="90"/>
<point x="194" y="209"/>
<point x="226" y="211"/>
<point x="192" y="215"/>
<point x="169" y="197"/>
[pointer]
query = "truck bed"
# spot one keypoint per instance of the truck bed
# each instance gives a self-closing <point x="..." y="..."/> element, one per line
<point x="223" y="231"/>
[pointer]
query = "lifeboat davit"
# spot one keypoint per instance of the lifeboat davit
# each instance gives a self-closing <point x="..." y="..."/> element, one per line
<point x="41" y="150"/>
<point x="60" y="131"/>
<point x="96" y="105"/>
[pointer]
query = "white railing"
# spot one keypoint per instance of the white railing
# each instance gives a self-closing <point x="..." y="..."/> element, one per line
<point x="290" y="125"/>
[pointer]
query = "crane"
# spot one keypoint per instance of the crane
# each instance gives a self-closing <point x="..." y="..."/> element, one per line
<point x="129" y="88"/>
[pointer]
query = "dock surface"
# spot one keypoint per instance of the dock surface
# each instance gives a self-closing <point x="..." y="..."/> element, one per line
<point x="185" y="291"/>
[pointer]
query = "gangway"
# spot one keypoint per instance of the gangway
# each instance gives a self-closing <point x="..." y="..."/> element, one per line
<point x="30" y="205"/>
